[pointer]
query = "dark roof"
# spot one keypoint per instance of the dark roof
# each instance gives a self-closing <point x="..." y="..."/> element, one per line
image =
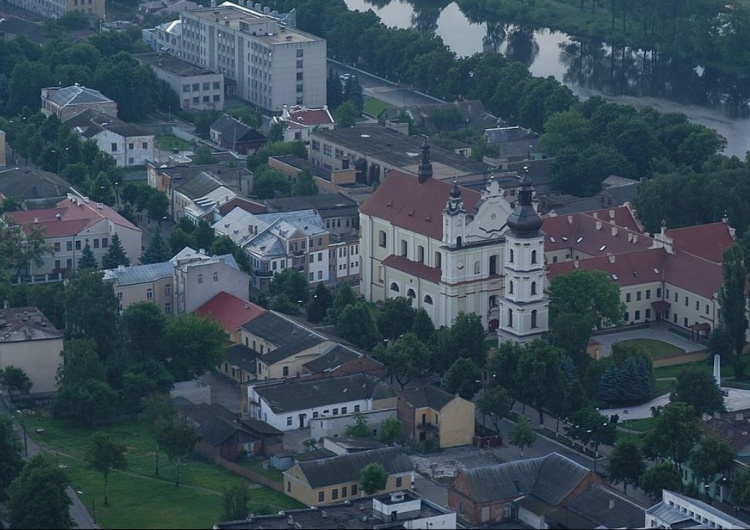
<point x="172" y="64"/>
<point x="26" y="183"/>
<point x="300" y="164"/>
<point x="216" y="431"/>
<point x="315" y="454"/>
<point x="621" y="194"/>
<point x="290" y="395"/>
<point x="198" y="185"/>
<point x="12" y="26"/>
<point x="347" y="468"/>
<point x="549" y="478"/>
<point x="579" y="204"/>
<point x="91" y="122"/>
<point x="289" y="337"/>
<point x="607" y="509"/>
<point x="427" y="396"/>
<point x="332" y="359"/>
<point x="200" y="413"/>
<point x="231" y="129"/>
<point x="242" y="356"/>
<point x="260" y="427"/>
<point x="327" y="204"/>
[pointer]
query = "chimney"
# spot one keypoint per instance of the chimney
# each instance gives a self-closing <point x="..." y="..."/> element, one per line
<point x="575" y="263"/>
<point x="635" y="238"/>
<point x="614" y="231"/>
<point x="598" y="225"/>
<point x="596" y="215"/>
<point x="570" y="219"/>
<point x="611" y="258"/>
<point x="611" y="214"/>
<point x="630" y="237"/>
<point x="5" y="304"/>
<point x="36" y="220"/>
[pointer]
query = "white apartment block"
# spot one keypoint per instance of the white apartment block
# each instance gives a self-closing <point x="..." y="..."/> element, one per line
<point x="57" y="8"/>
<point x="270" y="63"/>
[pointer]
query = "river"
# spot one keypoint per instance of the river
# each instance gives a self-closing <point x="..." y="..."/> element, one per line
<point x="591" y="69"/>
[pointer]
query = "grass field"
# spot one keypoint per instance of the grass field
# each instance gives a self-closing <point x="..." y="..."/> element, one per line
<point x="138" y="498"/>
<point x="374" y="106"/>
<point x="168" y="142"/>
<point x="655" y="348"/>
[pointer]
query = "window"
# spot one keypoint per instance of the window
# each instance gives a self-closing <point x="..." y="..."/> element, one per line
<point x="288" y="486"/>
<point x="404" y="247"/>
<point x="648" y="294"/>
<point x="299" y="76"/>
<point x="685" y="322"/>
<point x="57" y="267"/>
<point x="533" y="318"/>
<point x="105" y="242"/>
<point x="96" y="243"/>
<point x="638" y="296"/>
<point x="186" y="88"/>
<point x="510" y="256"/>
<point x="343" y="410"/>
<point x="648" y="315"/>
<point x="638" y="315"/>
<point x="627" y="316"/>
<point x="315" y="414"/>
<point x="196" y="86"/>
<point x="510" y="317"/>
<point x="216" y="276"/>
<point x="68" y="246"/>
<point x="206" y="85"/>
<point x="381" y="238"/>
<point x="428" y="299"/>
<point x="78" y="245"/>
<point x="533" y="256"/>
<point x="438" y="259"/>
<point x="168" y="308"/>
<point x="196" y="99"/>
<point x="399" y="482"/>
<point x="335" y="494"/>
<point x="315" y="145"/>
<point x="707" y="309"/>
<point x="354" y="489"/>
<point x="114" y="147"/>
<point x="168" y="290"/>
<point x="285" y="371"/>
<point x="131" y="160"/>
<point x="356" y="409"/>
<point x="533" y="287"/>
<point x="312" y="276"/>
<point x="300" y="52"/>
<point x="658" y="292"/>
<point x="321" y="496"/>
<point x="216" y="85"/>
<point x="69" y="263"/>
<point x="288" y="420"/>
<point x="200" y="278"/>
<point x="320" y="275"/>
<point x="686" y="300"/>
<point x="320" y="241"/>
<point x="477" y="267"/>
<point x="343" y="492"/>
<point x="676" y="297"/>
<point x="217" y="97"/>
<point x="327" y="149"/>
<point x="394" y="287"/>
<point x="130" y="146"/>
<point x="206" y="99"/>
<point x="627" y="297"/>
<point x="510" y="287"/>
<point x="149" y="294"/>
<point x="57" y="246"/>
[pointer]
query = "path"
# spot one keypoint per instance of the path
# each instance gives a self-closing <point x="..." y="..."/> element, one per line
<point x="654" y="332"/>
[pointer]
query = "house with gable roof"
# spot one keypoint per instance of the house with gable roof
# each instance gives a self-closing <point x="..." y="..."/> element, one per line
<point x="331" y="480"/>
<point x="230" y="133"/>
<point x="430" y="413"/>
<point x="66" y="102"/>
<point x="300" y="120"/>
<point x="128" y="143"/>
<point x="198" y="196"/>
<point x="542" y="493"/>
<point x="290" y="404"/>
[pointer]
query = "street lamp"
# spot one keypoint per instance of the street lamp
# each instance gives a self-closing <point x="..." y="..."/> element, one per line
<point x="23" y="426"/>
<point x="93" y="500"/>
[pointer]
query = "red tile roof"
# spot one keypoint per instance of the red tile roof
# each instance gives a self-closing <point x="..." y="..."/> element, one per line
<point x="245" y="204"/>
<point x="693" y="273"/>
<point x="629" y="268"/>
<point x="231" y="312"/>
<point x="588" y="235"/>
<point x="431" y="274"/>
<point x="707" y="241"/>
<point x="310" y="117"/>
<point x="73" y="217"/>
<point x="406" y="203"/>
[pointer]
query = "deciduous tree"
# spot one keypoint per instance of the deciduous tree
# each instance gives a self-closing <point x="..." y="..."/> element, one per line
<point x="236" y="502"/>
<point x="494" y="403"/>
<point x="405" y="358"/>
<point x="194" y="344"/>
<point x="391" y="431"/>
<point x="373" y="478"/>
<point x="625" y="464"/>
<point x="158" y="410"/>
<point x="522" y="434"/>
<point x="463" y="377"/>
<point x="733" y="302"/>
<point x="673" y="433"/>
<point x="38" y="498"/>
<point x="540" y="375"/>
<point x="104" y="455"/>
<point x="396" y="317"/>
<point x="11" y="454"/>
<point x="697" y="387"/>
<point x="359" y="428"/>
<point x="15" y="380"/>
<point x="711" y="457"/>
<point x="92" y="311"/>
<point x="661" y="476"/>
<point x="321" y="301"/>
<point x="178" y="438"/>
<point x="356" y="325"/>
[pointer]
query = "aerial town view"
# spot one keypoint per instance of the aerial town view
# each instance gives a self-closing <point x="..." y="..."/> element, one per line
<point x="422" y="264"/>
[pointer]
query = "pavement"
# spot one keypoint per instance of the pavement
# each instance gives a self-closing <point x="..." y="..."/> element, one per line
<point x="656" y="332"/>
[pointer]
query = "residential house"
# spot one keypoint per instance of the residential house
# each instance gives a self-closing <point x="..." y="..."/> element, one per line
<point x="198" y="88"/>
<point x="240" y="363"/>
<point x="617" y="191"/>
<point x="221" y="434"/>
<point x="266" y="62"/>
<point x="166" y="37"/>
<point x="197" y="198"/>
<point x="31" y="186"/>
<point x="93" y="9"/>
<point x="270" y="440"/>
<point x="402" y="508"/>
<point x="679" y="511"/>
<point x="199" y="277"/>
<point x="291" y="404"/>
<point x="231" y="312"/>
<point x="543" y="492"/>
<point x="128" y="143"/>
<point x="71" y="224"/>
<point x="514" y="143"/>
<point x="470" y="112"/>
<point x="144" y="283"/>
<point x="342" y="360"/>
<point x="342" y="181"/>
<point x="30" y="342"/>
<point x="374" y="151"/>
<point x="66" y="102"/>
<point x="330" y="480"/>
<point x="299" y="120"/>
<point x="230" y="133"/>
<point x="277" y="241"/>
<point x="430" y="413"/>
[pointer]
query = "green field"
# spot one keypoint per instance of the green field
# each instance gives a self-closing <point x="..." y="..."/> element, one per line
<point x="137" y="497"/>
<point x="170" y="142"/>
<point x="374" y="106"/>
<point x="655" y="348"/>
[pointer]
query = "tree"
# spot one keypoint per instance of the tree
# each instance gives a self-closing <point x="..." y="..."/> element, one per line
<point x="224" y="245"/>
<point x="355" y="324"/>
<point x="661" y="476"/>
<point x="346" y="115"/>
<point x="157" y="206"/>
<point x="579" y="302"/>
<point x="539" y="370"/>
<point x="733" y="302"/>
<point x="625" y="464"/>
<point x="82" y="404"/>
<point x="87" y="261"/>
<point x="494" y="403"/>
<point x="105" y="454"/>
<point x="405" y="358"/>
<point x="344" y="297"/>
<point x="353" y="93"/>
<point x="322" y="300"/>
<point x="143" y="326"/>
<point x="391" y="431"/>
<point x="22" y="248"/>
<point x="203" y="156"/>
<point x="334" y="90"/>
<point x="157" y="250"/>
<point x="673" y="433"/>
<point x="305" y="184"/>
<point x="468" y="338"/>
<point x="697" y="387"/>
<point x="373" y="478"/>
<point x="178" y="438"/>
<point x="92" y="310"/>
<point x="236" y="502"/>
<point x="115" y="255"/>
<point x="11" y="454"/>
<point x="740" y="490"/>
<point x="522" y="434"/>
<point x="422" y="326"/>
<point x="204" y="235"/>
<point x="38" y="498"/>
<point x="589" y="426"/>
<point x="15" y="380"/>
<point x="360" y="428"/>
<point x="503" y="369"/>
<point x="463" y="378"/>
<point x="711" y="457"/>
<point x="291" y="283"/>
<point x="158" y="410"/>
<point x="269" y="183"/>
<point x="194" y="344"/>
<point x="179" y="239"/>
<point x="396" y="317"/>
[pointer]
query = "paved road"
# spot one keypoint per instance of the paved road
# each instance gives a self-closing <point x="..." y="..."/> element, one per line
<point x="78" y="510"/>
<point x="654" y="332"/>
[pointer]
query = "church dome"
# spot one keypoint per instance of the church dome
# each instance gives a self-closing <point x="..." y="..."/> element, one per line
<point x="525" y="221"/>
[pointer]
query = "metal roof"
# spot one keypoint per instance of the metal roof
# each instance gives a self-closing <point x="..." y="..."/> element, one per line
<point x="136" y="274"/>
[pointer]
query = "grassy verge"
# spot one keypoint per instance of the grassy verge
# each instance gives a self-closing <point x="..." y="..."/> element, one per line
<point x="261" y="467"/>
<point x="655" y="348"/>
<point x="168" y="142"/>
<point x="139" y="498"/>
<point x="662" y="387"/>
<point x="374" y="106"/>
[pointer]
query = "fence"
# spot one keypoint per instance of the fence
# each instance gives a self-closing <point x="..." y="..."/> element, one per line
<point x="249" y="475"/>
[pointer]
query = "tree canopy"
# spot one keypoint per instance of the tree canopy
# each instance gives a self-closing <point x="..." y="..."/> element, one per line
<point x="373" y="478"/>
<point x="37" y="498"/>
<point x="697" y="387"/>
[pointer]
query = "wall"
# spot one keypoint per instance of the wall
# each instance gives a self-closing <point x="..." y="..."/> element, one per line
<point x="205" y="280"/>
<point x="162" y="294"/>
<point x="281" y="420"/>
<point x="40" y="360"/>
<point x="457" y="423"/>
<point x="336" y="425"/>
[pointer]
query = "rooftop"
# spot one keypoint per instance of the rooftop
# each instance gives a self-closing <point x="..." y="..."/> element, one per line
<point x="288" y="336"/>
<point x="172" y="64"/>
<point x="21" y="324"/>
<point x="230" y="311"/>
<point x="136" y="274"/>
<point x="90" y="122"/>
<point x="427" y="396"/>
<point x="75" y="95"/>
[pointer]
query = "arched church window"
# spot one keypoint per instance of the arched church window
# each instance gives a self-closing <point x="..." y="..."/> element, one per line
<point x="427" y="299"/>
<point x="533" y="256"/>
<point x="533" y="287"/>
<point x="511" y="255"/>
<point x="411" y="294"/>
<point x="394" y="287"/>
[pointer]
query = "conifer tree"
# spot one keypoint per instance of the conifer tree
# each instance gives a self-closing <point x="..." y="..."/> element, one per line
<point x="87" y="261"/>
<point x="157" y="251"/>
<point x="115" y="256"/>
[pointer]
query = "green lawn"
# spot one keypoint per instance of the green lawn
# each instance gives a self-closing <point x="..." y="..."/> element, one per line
<point x="138" y="498"/>
<point x="168" y="142"/>
<point x="662" y="387"/>
<point x="655" y="348"/>
<point x="261" y="467"/>
<point x="374" y="106"/>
